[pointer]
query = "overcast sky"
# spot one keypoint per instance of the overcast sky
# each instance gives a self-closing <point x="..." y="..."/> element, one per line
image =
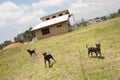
<point x="16" y="16"/>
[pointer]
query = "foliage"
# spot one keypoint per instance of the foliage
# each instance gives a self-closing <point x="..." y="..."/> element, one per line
<point x="7" y="42"/>
<point x="119" y="11"/>
<point x="25" y="36"/>
<point x="83" y="23"/>
<point x="104" y="18"/>
<point x="113" y="15"/>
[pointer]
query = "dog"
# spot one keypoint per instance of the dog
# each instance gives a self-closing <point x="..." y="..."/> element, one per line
<point x="96" y="50"/>
<point x="31" y="52"/>
<point x="47" y="57"/>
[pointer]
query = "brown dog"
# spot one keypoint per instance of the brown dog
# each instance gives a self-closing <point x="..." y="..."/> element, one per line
<point x="31" y="52"/>
<point x="47" y="57"/>
<point x="96" y="50"/>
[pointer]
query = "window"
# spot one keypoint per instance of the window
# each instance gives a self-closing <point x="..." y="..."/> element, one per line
<point x="53" y="16"/>
<point x="45" y="31"/>
<point x="67" y="12"/>
<point x="60" y="14"/>
<point x="68" y="24"/>
<point x="59" y="26"/>
<point x="47" y="18"/>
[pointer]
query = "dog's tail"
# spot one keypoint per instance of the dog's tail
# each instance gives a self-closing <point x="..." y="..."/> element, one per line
<point x="86" y="46"/>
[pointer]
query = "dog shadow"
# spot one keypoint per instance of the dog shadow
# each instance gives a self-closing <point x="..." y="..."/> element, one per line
<point x="99" y="57"/>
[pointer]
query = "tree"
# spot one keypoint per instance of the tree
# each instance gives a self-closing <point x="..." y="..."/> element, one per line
<point x="97" y="18"/>
<point x="19" y="38"/>
<point x="26" y="36"/>
<point x="1" y="46"/>
<point x="103" y="18"/>
<point x="119" y="11"/>
<point x="84" y="23"/>
<point x="7" y="42"/>
<point x="113" y="15"/>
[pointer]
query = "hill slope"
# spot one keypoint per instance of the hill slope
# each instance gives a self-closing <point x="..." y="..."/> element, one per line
<point x="71" y="55"/>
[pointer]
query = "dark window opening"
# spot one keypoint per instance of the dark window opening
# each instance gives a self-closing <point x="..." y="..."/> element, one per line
<point x="59" y="26"/>
<point x="53" y="16"/>
<point x="47" y="18"/>
<point x="67" y="12"/>
<point x="45" y="31"/>
<point x="60" y="14"/>
<point x="68" y="24"/>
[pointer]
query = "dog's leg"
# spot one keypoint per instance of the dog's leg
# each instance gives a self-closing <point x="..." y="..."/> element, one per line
<point x="96" y="54"/>
<point x="30" y="54"/>
<point x="91" y="53"/>
<point x="88" y="53"/>
<point x="100" y="53"/>
<point x="49" y="63"/>
<point x="53" y="58"/>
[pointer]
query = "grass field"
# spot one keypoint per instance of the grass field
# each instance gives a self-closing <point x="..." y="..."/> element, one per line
<point x="71" y="55"/>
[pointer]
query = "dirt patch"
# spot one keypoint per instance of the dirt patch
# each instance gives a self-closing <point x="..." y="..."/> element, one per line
<point x="13" y="45"/>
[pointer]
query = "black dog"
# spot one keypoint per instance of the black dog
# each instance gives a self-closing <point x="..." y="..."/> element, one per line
<point x="31" y="52"/>
<point x="96" y="50"/>
<point x="47" y="57"/>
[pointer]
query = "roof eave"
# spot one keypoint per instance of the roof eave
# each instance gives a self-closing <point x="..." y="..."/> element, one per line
<point x="47" y="26"/>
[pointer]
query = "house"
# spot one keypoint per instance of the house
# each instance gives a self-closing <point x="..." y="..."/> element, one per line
<point x="53" y="24"/>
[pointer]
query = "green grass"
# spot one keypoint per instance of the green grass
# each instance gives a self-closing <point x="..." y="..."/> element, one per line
<point x="71" y="55"/>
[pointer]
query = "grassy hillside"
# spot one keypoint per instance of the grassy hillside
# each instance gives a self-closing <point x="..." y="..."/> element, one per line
<point x="71" y="55"/>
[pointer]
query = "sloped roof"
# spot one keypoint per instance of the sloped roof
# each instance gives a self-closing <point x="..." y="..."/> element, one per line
<point x="51" y="22"/>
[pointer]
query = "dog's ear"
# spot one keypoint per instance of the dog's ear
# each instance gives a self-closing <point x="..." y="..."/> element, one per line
<point x="99" y="44"/>
<point x="28" y="50"/>
<point x="44" y="53"/>
<point x="95" y="43"/>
